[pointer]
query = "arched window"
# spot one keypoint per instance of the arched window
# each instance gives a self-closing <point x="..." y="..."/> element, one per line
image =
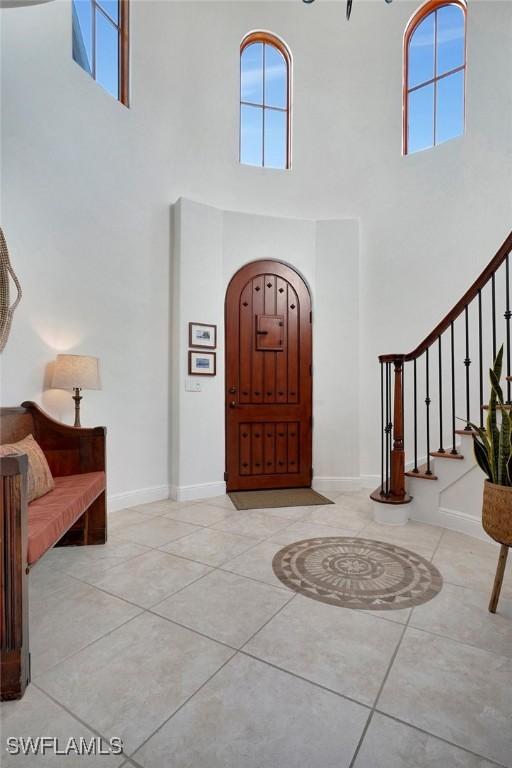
<point x="265" y="65"/>
<point x="434" y="75"/>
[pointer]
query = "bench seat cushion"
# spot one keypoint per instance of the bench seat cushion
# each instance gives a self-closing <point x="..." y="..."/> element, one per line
<point x="50" y="516"/>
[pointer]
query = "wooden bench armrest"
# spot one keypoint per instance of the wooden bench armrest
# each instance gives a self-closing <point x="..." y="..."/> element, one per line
<point x="69" y="450"/>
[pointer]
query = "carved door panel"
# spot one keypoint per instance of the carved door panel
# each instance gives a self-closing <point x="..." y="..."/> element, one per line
<point x="268" y="378"/>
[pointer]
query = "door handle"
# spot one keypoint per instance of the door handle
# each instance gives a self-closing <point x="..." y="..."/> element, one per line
<point x="232" y="404"/>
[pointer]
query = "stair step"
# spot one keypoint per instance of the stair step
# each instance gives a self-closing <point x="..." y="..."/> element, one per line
<point x="378" y="495"/>
<point x="446" y="455"/>
<point x="506" y="407"/>
<point x="467" y="432"/>
<point x="421" y="474"/>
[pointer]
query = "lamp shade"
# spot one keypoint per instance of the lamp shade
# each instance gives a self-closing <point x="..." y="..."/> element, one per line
<point x="72" y="371"/>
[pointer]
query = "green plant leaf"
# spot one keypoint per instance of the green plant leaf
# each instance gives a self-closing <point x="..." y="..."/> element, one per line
<point x="504" y="449"/>
<point x="481" y="433"/>
<point x="491" y="439"/>
<point x="495" y="383"/>
<point x="482" y="458"/>
<point x="493" y="445"/>
<point x="492" y="425"/>
<point x="498" y="363"/>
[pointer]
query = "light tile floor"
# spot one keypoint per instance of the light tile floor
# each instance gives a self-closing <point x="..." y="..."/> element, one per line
<point x="177" y="637"/>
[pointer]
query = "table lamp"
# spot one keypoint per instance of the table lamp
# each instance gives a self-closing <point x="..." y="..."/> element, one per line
<point x="76" y="372"/>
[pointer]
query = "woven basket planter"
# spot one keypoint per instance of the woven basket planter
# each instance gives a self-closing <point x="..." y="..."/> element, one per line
<point x="497" y="512"/>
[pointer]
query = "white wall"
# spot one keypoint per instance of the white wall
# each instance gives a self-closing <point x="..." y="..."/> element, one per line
<point x="198" y="429"/>
<point x="88" y="184"/>
<point x="86" y="216"/>
<point x="212" y="245"/>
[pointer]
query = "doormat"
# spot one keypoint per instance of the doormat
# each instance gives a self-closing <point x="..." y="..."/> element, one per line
<point x="357" y="573"/>
<point x="284" y="497"/>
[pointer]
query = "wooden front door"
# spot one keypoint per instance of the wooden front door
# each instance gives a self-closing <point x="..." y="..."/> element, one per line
<point x="268" y="379"/>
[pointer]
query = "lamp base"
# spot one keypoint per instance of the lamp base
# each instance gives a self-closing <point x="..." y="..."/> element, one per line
<point x="77" y="397"/>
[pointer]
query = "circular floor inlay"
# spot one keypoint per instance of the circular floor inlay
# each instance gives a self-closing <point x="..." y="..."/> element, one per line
<point x="357" y="573"/>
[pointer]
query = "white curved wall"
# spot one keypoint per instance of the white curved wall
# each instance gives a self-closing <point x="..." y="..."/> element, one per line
<point x="87" y="188"/>
<point x="210" y="246"/>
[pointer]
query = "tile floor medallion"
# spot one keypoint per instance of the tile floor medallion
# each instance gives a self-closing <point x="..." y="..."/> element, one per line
<point x="357" y="573"/>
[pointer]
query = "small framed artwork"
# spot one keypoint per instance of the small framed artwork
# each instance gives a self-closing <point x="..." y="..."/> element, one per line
<point x="202" y="363"/>
<point x="202" y="335"/>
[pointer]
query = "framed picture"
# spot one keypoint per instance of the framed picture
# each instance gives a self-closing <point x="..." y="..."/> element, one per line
<point x="202" y="335"/>
<point x="202" y="363"/>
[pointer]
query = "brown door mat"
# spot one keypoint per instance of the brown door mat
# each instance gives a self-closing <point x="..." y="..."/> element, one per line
<point x="283" y="497"/>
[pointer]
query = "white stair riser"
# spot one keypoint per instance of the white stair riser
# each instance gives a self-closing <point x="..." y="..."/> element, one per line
<point x="454" y="500"/>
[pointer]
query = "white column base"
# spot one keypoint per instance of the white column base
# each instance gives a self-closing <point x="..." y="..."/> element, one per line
<point x="390" y="514"/>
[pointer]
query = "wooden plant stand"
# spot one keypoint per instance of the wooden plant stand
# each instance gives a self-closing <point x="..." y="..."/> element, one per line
<point x="498" y="580"/>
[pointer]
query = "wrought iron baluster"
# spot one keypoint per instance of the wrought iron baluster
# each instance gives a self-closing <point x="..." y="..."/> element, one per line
<point x="441" y="448"/>
<point x="493" y="290"/>
<point x="386" y="478"/>
<point x="427" y="403"/>
<point x="480" y="359"/>
<point x="508" y="315"/>
<point x="382" y="433"/>
<point x="415" y="419"/>
<point x="467" y="363"/>
<point x="390" y="424"/>
<point x="452" y="352"/>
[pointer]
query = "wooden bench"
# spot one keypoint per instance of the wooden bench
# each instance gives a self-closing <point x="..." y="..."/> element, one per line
<point x="72" y="514"/>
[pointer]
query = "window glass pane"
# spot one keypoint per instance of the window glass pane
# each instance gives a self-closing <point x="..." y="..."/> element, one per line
<point x="275" y="139"/>
<point x="275" y="78"/>
<point x="420" y="113"/>
<point x="82" y="33"/>
<point x="450" y="107"/>
<point x="251" y="85"/>
<point x="251" y="135"/>
<point x="107" y="65"/>
<point x="420" y="66"/>
<point x="450" y="38"/>
<point x="111" y="7"/>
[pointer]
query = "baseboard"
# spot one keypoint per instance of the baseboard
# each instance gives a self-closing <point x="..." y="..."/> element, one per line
<point x="452" y="519"/>
<point x="337" y="484"/>
<point x="463" y="523"/>
<point x="370" y="482"/>
<point x="195" y="492"/>
<point x="373" y="481"/>
<point x="116" y="501"/>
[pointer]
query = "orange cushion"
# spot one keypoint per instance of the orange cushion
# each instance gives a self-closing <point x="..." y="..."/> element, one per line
<point x="40" y="480"/>
<point x="50" y="516"/>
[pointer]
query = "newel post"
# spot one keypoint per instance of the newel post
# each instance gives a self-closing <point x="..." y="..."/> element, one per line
<point x="397" y="481"/>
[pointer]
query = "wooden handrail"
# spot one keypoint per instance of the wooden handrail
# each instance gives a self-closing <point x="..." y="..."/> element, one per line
<point x="458" y="309"/>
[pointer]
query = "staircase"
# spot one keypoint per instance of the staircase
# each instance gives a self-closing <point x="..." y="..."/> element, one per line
<point x="430" y="396"/>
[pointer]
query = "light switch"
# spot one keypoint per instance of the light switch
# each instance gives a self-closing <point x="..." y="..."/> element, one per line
<point x="192" y="385"/>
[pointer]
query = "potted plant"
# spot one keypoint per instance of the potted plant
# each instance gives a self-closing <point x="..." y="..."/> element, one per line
<point x="493" y="452"/>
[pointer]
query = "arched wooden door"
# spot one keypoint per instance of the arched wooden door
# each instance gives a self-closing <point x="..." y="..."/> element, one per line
<point x="268" y="379"/>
